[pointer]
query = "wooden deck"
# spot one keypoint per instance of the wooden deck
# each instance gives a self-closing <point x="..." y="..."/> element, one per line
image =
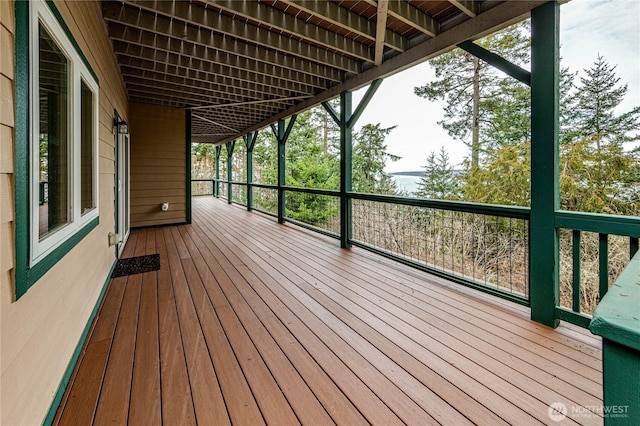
<point x="250" y="322"/>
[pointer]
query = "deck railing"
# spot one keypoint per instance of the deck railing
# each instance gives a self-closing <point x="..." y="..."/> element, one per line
<point x="478" y="245"/>
<point x="604" y="244"/>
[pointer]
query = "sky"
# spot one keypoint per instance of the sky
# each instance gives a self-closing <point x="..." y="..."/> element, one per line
<point x="587" y="28"/>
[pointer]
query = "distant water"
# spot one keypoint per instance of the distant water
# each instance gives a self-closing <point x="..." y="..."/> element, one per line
<point x="407" y="183"/>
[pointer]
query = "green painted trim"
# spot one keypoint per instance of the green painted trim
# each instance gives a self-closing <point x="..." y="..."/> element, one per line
<point x="575" y="289"/>
<point x="373" y="88"/>
<point x="116" y="219"/>
<point x="544" y="275"/>
<point x="332" y="112"/>
<point x="454" y="278"/>
<point x="282" y="148"/>
<point x="21" y="169"/>
<point x="32" y="275"/>
<point x="616" y="317"/>
<point x="26" y="276"/>
<point x="187" y="119"/>
<point x="603" y="264"/>
<point x="458" y="206"/>
<point x="329" y="192"/>
<point x="346" y="169"/>
<point x="577" y="318"/>
<point x="53" y="409"/>
<point x="312" y="228"/>
<point x="230" y="148"/>
<point x="75" y="44"/>
<point x="620" y="383"/>
<point x="216" y="185"/>
<point x="628" y="226"/>
<point x="497" y="61"/>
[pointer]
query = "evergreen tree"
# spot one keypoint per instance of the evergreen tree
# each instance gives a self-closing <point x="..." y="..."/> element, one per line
<point x="471" y="87"/>
<point x="370" y="156"/>
<point x="439" y="180"/>
<point x="598" y="174"/>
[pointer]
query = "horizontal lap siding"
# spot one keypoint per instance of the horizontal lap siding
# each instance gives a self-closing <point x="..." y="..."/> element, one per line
<point x="41" y="330"/>
<point x="158" y="165"/>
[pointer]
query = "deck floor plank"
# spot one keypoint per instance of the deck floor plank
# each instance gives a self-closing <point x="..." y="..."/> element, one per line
<point x="113" y="405"/>
<point x="315" y="381"/>
<point x="357" y="346"/>
<point x="536" y="377"/>
<point x="176" y="398"/>
<point x="508" y="402"/>
<point x="251" y="322"/>
<point x="209" y="404"/>
<point x="520" y="361"/>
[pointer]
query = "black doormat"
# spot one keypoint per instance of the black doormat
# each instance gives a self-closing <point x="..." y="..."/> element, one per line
<point x="136" y="265"/>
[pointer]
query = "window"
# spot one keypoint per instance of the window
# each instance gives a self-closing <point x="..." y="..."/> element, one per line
<point x="63" y="138"/>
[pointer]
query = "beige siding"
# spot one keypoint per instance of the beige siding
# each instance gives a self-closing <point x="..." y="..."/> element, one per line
<point x="40" y="331"/>
<point x="158" y="169"/>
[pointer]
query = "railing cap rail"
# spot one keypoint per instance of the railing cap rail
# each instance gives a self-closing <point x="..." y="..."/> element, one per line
<point x="617" y="317"/>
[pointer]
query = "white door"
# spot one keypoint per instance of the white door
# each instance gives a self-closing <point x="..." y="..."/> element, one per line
<point x="122" y="190"/>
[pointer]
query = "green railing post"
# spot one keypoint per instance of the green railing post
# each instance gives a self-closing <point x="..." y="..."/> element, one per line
<point x="346" y="169"/>
<point x="216" y="184"/>
<point x="250" y="142"/>
<point x="230" y="146"/>
<point x="545" y="200"/>
<point x="346" y="120"/>
<point x="282" y="134"/>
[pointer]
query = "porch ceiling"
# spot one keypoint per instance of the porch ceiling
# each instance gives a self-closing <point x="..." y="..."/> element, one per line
<point x="241" y="65"/>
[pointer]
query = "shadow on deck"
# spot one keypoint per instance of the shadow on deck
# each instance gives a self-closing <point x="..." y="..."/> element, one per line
<point x="250" y="322"/>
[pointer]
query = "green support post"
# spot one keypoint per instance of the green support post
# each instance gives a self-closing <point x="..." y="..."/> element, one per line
<point x="347" y="120"/>
<point x="216" y="184"/>
<point x="346" y="169"/>
<point x="545" y="200"/>
<point x="230" y="147"/>
<point x="250" y="142"/>
<point x="282" y="134"/>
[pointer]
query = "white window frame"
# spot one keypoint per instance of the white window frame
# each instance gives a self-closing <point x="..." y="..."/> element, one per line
<point x="39" y="13"/>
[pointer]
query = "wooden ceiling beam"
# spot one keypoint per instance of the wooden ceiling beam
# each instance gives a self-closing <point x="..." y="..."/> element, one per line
<point x="381" y="25"/>
<point x="134" y="47"/>
<point x="276" y="20"/>
<point x="207" y="45"/>
<point x="212" y="20"/>
<point x="220" y="84"/>
<point x="349" y="21"/>
<point x="169" y="63"/>
<point x="469" y="7"/>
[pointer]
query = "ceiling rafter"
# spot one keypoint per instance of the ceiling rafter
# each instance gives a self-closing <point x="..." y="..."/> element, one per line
<point x="139" y="49"/>
<point x="343" y="18"/>
<point x="186" y="88"/>
<point x="213" y="85"/>
<point x="205" y="18"/>
<point x="492" y="19"/>
<point x="206" y="44"/>
<point x="170" y="63"/>
<point x="254" y="102"/>
<point x="469" y="7"/>
<point x="411" y="16"/>
<point x="381" y="26"/>
<point x="276" y="20"/>
<point x="250" y="63"/>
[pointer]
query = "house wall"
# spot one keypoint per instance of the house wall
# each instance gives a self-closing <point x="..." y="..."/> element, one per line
<point x="158" y="164"/>
<point x="40" y="331"/>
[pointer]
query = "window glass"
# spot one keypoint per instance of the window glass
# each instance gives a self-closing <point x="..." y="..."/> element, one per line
<point x="54" y="164"/>
<point x="87" y="120"/>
